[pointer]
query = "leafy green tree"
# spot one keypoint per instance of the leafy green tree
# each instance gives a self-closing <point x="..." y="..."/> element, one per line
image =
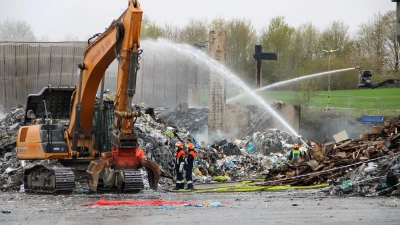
<point x="336" y="36"/>
<point x="16" y="30"/>
<point x="241" y="38"/>
<point x="307" y="90"/>
<point x="277" y="37"/>
<point x="150" y="29"/>
<point x="305" y="42"/>
<point x="196" y="30"/>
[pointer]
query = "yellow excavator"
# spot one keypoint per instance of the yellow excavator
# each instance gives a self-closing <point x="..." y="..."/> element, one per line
<point x="83" y="136"/>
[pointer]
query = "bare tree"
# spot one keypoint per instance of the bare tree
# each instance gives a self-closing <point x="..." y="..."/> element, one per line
<point x="171" y="32"/>
<point x="378" y="44"/>
<point x="71" y="37"/>
<point x="390" y="49"/>
<point x="370" y="40"/>
<point x="16" y="30"/>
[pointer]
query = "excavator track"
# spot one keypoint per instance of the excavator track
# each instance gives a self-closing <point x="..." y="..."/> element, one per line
<point x="132" y="182"/>
<point x="49" y="179"/>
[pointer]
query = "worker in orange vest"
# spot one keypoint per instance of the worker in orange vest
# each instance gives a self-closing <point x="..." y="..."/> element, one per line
<point x="179" y="164"/>
<point x="189" y="165"/>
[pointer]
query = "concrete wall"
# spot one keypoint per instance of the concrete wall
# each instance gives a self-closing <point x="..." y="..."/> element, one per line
<point x="243" y="120"/>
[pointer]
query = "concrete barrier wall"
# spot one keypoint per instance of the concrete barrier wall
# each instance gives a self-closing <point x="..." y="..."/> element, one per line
<point x="243" y="120"/>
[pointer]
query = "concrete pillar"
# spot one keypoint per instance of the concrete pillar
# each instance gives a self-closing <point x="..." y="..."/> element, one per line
<point x="217" y="94"/>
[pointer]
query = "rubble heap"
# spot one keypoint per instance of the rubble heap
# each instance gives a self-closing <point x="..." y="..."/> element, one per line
<point x="234" y="160"/>
<point x="9" y="128"/>
<point x="359" y="167"/>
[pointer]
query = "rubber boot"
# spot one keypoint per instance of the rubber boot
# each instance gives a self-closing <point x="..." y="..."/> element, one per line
<point x="177" y="186"/>
<point x="190" y="186"/>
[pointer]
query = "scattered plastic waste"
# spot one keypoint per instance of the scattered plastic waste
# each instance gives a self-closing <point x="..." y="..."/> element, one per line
<point x="166" y="207"/>
<point x="216" y="204"/>
<point x="194" y="205"/>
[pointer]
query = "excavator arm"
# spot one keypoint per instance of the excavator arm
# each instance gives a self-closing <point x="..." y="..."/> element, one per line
<point x="120" y="41"/>
<point x="388" y="81"/>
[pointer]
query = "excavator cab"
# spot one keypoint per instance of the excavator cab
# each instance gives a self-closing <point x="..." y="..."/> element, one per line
<point x="365" y="78"/>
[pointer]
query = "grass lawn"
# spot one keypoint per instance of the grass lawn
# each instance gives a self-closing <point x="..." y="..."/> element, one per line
<point x="379" y="101"/>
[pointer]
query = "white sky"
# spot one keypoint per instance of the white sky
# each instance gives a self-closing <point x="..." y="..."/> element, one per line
<point x="83" y="18"/>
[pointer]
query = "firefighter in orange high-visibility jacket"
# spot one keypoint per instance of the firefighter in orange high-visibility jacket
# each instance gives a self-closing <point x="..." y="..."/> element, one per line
<point x="191" y="156"/>
<point x="179" y="166"/>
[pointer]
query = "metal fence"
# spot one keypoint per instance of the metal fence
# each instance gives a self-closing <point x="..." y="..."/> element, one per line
<point x="26" y="68"/>
<point x="165" y="78"/>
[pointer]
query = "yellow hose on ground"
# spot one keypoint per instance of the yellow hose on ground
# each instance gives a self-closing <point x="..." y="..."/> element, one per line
<point x="246" y="187"/>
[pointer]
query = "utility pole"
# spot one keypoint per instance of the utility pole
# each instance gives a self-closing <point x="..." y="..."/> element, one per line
<point x="329" y="75"/>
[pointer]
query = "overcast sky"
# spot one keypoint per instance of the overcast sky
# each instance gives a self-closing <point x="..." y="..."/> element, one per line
<point x="82" y="18"/>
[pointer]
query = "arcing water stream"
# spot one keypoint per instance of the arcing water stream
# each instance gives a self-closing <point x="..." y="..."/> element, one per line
<point x="277" y="84"/>
<point x="221" y="69"/>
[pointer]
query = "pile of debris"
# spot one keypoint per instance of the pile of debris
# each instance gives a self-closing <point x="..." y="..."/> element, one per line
<point x="235" y="160"/>
<point x="11" y="173"/>
<point x="366" y="166"/>
<point x="9" y="128"/>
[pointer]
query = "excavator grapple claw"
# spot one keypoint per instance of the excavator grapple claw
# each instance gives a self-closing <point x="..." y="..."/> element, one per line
<point x="94" y="169"/>
<point x="153" y="173"/>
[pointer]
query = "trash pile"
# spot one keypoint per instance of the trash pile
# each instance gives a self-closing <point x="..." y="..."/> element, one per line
<point x="11" y="175"/>
<point x="366" y="166"/>
<point x="228" y="160"/>
<point x="9" y="128"/>
<point x="222" y="160"/>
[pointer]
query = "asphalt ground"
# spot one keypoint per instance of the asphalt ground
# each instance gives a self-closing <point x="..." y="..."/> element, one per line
<point x="284" y="207"/>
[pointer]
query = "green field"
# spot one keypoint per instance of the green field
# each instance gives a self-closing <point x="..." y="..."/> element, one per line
<point x="379" y="101"/>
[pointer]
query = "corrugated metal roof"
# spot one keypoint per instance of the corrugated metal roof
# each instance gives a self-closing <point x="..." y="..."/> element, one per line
<point x="342" y="135"/>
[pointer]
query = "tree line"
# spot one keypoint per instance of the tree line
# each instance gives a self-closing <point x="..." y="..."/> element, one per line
<point x="300" y="49"/>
